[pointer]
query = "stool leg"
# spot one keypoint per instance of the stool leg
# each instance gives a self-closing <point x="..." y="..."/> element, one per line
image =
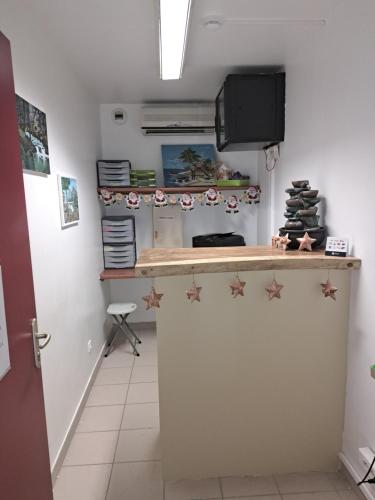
<point x="111" y="342"/>
<point x="132" y="343"/>
<point x="126" y="324"/>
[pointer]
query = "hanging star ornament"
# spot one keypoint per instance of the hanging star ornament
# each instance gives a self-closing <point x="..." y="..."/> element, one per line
<point x="193" y="293"/>
<point x="237" y="287"/>
<point x="328" y="290"/>
<point x="306" y="242"/>
<point x="274" y="290"/>
<point x="152" y="299"/>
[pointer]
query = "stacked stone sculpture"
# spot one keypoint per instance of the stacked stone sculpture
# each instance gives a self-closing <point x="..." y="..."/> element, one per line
<point x="301" y="214"/>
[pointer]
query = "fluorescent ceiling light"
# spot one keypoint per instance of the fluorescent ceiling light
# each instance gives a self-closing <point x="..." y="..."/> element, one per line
<point x="174" y="21"/>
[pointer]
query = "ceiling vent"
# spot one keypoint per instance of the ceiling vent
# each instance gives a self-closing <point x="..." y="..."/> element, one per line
<point x="178" y="119"/>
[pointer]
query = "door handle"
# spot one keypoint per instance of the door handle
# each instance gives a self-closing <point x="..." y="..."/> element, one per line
<point x="37" y="337"/>
<point x="41" y="336"/>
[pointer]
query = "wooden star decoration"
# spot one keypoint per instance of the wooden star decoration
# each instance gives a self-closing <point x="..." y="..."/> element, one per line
<point x="274" y="290"/>
<point x="328" y="290"/>
<point x="193" y="293"/>
<point x="237" y="287"/>
<point x="284" y="241"/>
<point x="306" y="242"/>
<point x="152" y="299"/>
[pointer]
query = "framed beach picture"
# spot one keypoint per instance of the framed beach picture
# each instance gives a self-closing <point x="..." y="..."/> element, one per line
<point x="32" y="131"/>
<point x="68" y="195"/>
<point x="188" y="165"/>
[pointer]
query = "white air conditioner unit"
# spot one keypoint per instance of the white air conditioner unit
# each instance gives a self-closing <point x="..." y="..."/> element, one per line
<point x="178" y="119"/>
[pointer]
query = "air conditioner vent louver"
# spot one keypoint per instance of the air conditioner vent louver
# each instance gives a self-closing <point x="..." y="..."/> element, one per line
<point x="178" y="119"/>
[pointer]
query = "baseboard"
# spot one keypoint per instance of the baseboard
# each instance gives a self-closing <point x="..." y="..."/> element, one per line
<point x="356" y="476"/>
<point x="56" y="466"/>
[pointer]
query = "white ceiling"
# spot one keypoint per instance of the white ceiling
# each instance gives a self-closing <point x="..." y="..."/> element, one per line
<point x="113" y="44"/>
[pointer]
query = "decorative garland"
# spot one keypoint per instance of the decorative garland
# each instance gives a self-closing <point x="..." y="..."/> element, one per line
<point x="212" y="198"/>
<point x="236" y="287"/>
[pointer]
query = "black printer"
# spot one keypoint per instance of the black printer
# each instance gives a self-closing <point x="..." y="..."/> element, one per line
<point x="219" y="240"/>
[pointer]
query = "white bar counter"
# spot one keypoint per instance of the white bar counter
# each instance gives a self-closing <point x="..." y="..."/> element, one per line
<point x="247" y="385"/>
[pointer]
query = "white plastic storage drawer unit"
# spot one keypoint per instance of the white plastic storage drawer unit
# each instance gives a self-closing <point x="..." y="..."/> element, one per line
<point x="113" y="173"/>
<point x="119" y="248"/>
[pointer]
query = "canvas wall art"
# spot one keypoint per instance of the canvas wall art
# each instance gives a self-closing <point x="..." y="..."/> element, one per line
<point x="32" y="130"/>
<point x="189" y="165"/>
<point x="68" y="194"/>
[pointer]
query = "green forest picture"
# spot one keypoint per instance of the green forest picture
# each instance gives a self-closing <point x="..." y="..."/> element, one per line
<point x="32" y="130"/>
<point x="68" y="193"/>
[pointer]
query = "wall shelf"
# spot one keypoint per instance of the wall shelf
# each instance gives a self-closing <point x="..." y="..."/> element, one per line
<point x="168" y="190"/>
<point x="117" y="274"/>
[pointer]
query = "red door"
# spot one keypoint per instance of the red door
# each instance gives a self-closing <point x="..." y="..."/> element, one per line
<point x="24" y="462"/>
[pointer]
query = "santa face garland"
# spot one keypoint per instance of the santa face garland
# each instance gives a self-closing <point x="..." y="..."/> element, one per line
<point x="251" y="195"/>
<point x="187" y="202"/>
<point x="160" y="199"/>
<point x="107" y="197"/>
<point x="133" y="201"/>
<point x="211" y="198"/>
<point x="232" y="205"/>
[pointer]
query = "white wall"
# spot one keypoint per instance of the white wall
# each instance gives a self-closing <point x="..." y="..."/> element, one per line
<point x="66" y="263"/>
<point x="128" y="142"/>
<point x="330" y="138"/>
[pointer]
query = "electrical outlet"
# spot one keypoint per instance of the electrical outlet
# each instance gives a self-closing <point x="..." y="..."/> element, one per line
<point x="89" y="346"/>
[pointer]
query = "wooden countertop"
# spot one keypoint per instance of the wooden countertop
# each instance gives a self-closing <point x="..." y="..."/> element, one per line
<point x="178" y="261"/>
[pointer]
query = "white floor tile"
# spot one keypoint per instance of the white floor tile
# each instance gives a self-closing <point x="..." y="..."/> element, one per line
<point x="149" y="340"/>
<point x="144" y="374"/>
<point x="123" y="345"/>
<point x="147" y="358"/>
<point x="100" y="418"/>
<point x="247" y="486"/>
<point x="143" y="393"/>
<point x="136" y="481"/>
<point x="348" y="495"/>
<point x="339" y="481"/>
<point x="189" y="489"/>
<point x="102" y="395"/>
<point x="86" y="482"/>
<point x="304" y="483"/>
<point x="112" y="376"/>
<point x="118" y="359"/>
<point x="327" y="495"/>
<point x="138" y="445"/>
<point x="257" y="497"/>
<point x="141" y="416"/>
<point x="92" y="448"/>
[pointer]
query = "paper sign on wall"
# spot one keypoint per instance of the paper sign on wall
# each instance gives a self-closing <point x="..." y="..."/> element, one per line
<point x="4" y="348"/>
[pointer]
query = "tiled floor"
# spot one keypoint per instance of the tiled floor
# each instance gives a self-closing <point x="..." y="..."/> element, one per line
<point x="115" y="453"/>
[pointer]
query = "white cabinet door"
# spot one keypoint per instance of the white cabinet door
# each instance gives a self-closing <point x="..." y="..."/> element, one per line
<point x="167" y="227"/>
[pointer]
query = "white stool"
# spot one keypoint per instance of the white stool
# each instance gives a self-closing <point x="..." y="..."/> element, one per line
<point x="120" y="312"/>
